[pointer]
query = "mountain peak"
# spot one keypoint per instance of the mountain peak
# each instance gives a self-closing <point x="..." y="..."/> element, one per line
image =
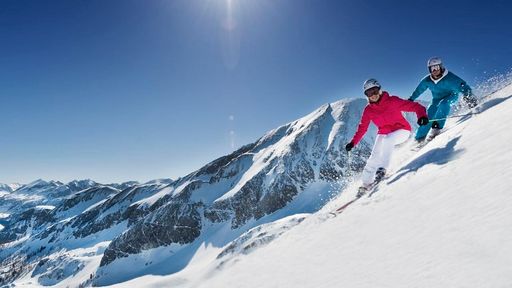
<point x="41" y="183"/>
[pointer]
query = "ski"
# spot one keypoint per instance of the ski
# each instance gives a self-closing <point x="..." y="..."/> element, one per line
<point x="424" y="142"/>
<point x="371" y="190"/>
<point x="340" y="209"/>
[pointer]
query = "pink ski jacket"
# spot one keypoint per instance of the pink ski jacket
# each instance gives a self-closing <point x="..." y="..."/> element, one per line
<point x="386" y="114"/>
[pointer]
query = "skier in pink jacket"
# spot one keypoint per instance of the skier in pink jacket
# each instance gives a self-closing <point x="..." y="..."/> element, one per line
<point x="385" y="112"/>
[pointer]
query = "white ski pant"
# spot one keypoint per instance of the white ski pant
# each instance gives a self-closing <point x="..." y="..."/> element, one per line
<point x="381" y="153"/>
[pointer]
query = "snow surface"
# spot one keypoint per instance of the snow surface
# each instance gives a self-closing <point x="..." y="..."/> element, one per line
<point x="74" y="266"/>
<point x="3" y="216"/>
<point x="441" y="220"/>
<point x="45" y="207"/>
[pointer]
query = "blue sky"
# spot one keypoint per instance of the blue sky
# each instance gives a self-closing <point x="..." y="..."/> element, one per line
<point x="123" y="90"/>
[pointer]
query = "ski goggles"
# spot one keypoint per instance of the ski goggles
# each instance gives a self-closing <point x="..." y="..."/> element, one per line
<point x="372" y="91"/>
<point x="434" y="68"/>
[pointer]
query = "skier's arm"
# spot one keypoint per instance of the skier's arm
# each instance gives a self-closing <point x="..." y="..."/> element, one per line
<point x="461" y="87"/>
<point x="362" y="128"/>
<point x="422" y="86"/>
<point x="458" y="86"/>
<point x="409" y="106"/>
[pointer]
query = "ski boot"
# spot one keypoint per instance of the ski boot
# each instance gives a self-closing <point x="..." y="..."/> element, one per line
<point x="361" y="191"/>
<point x="434" y="133"/>
<point x="379" y="175"/>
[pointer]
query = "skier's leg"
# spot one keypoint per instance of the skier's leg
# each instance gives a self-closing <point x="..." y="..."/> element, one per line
<point x="444" y="109"/>
<point x="389" y="142"/>
<point x="373" y="161"/>
<point x="423" y="130"/>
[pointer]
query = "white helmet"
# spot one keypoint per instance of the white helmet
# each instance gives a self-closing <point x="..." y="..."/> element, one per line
<point x="434" y="61"/>
<point x="370" y="83"/>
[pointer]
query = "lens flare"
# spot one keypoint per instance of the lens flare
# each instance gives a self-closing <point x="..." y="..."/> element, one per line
<point x="230" y="37"/>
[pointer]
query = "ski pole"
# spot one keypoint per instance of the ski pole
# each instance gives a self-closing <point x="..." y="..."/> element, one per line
<point x="453" y="116"/>
<point x="348" y="164"/>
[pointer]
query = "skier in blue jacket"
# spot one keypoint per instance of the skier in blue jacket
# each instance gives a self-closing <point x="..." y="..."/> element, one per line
<point x="445" y="87"/>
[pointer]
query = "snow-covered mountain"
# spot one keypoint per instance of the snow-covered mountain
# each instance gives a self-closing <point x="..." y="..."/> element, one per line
<point x="441" y="219"/>
<point x="295" y="168"/>
<point x="216" y="225"/>
<point x="41" y="192"/>
<point x="9" y="187"/>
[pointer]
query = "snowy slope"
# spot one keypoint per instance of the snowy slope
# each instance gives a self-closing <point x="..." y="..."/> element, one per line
<point x="217" y="224"/>
<point x="157" y="227"/>
<point x="442" y="220"/>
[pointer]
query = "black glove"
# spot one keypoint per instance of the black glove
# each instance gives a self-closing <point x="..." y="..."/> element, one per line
<point x="423" y="121"/>
<point x="349" y="146"/>
<point x="410" y="99"/>
<point x="435" y="125"/>
<point x="470" y="100"/>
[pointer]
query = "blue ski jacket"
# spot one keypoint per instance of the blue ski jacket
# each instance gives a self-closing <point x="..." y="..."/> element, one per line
<point x="449" y="85"/>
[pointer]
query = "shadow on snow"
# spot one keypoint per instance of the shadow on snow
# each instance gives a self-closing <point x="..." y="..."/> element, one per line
<point x="438" y="156"/>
